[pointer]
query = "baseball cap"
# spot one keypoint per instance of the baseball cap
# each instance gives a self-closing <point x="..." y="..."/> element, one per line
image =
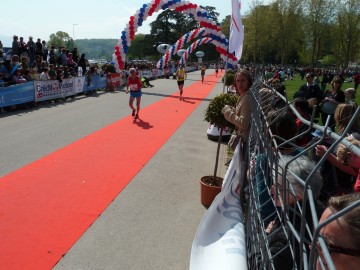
<point x="351" y="91"/>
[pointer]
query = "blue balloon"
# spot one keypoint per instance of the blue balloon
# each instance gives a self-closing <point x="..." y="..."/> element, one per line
<point x="141" y="15"/>
<point x="199" y="14"/>
<point x="142" y="10"/>
<point x="140" y="23"/>
<point x="145" y="5"/>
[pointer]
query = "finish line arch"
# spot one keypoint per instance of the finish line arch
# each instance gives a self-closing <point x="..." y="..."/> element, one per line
<point x="199" y="32"/>
<point x="192" y="47"/>
<point x="189" y="36"/>
<point x="193" y="10"/>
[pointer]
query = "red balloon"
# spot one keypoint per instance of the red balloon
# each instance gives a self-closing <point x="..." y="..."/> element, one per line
<point x="132" y="18"/>
<point x="117" y="47"/>
<point x="117" y="53"/>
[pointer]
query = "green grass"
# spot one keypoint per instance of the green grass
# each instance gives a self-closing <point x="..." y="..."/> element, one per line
<point x="293" y="85"/>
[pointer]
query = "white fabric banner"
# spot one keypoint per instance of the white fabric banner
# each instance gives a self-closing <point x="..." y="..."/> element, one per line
<point x="219" y="241"/>
<point x="236" y="39"/>
<point x="79" y="84"/>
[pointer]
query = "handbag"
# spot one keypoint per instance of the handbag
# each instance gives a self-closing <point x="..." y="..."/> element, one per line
<point x="234" y="141"/>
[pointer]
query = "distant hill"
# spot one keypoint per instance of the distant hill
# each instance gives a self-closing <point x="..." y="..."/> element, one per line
<point x="96" y="48"/>
<point x="93" y="48"/>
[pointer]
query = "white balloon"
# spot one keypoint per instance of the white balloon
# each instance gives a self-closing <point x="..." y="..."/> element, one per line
<point x="199" y="54"/>
<point x="163" y="48"/>
<point x="180" y="52"/>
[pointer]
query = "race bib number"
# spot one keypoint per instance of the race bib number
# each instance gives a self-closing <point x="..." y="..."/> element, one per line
<point x="134" y="87"/>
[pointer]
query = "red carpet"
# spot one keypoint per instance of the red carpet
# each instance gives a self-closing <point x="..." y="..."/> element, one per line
<point x="47" y="205"/>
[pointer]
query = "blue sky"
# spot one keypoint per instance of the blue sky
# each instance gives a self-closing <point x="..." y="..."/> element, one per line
<point x="82" y="19"/>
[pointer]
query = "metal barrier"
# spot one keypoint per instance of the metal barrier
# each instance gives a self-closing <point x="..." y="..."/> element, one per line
<point x="271" y="198"/>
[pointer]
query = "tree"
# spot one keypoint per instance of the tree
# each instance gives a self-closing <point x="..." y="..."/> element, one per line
<point x="318" y="15"/>
<point x="136" y="50"/>
<point x="225" y="26"/>
<point x="348" y="21"/>
<point x="211" y="11"/>
<point x="61" y="39"/>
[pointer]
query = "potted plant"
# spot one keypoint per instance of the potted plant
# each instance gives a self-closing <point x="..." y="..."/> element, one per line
<point x="228" y="79"/>
<point x="211" y="185"/>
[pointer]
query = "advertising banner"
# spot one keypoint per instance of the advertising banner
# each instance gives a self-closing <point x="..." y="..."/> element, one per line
<point x="52" y="89"/>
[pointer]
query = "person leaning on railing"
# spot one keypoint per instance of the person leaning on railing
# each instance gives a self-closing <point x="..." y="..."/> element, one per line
<point x="240" y="116"/>
<point x="342" y="235"/>
<point x="345" y="160"/>
<point x="283" y="127"/>
<point x="337" y="176"/>
<point x="288" y="196"/>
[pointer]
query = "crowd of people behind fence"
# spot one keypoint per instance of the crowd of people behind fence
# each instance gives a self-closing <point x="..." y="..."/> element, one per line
<point x="27" y="61"/>
<point x="303" y="147"/>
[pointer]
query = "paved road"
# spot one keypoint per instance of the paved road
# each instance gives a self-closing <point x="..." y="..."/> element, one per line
<point x="152" y="222"/>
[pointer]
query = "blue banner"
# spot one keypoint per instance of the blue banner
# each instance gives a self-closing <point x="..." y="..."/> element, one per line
<point x="25" y="92"/>
<point x="17" y="94"/>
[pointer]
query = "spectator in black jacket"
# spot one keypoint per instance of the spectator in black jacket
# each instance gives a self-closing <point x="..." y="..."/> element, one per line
<point x="82" y="63"/>
<point x="311" y="91"/>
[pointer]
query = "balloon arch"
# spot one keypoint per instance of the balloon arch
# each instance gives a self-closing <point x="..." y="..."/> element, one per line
<point x="199" y="32"/>
<point x="192" y="47"/>
<point x="193" y="10"/>
<point x="189" y="36"/>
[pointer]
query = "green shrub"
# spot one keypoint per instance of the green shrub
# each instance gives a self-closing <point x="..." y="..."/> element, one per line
<point x="213" y="113"/>
<point x="230" y="74"/>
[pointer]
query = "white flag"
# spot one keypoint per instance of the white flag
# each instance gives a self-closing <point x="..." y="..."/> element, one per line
<point x="219" y="242"/>
<point x="236" y="30"/>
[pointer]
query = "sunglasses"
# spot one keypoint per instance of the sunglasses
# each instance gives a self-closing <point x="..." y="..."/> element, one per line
<point x="334" y="249"/>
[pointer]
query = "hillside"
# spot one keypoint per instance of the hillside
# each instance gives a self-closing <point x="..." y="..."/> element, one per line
<point x="96" y="48"/>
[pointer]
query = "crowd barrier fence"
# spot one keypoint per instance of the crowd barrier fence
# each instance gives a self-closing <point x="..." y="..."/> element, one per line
<point x="51" y="89"/>
<point x="299" y="221"/>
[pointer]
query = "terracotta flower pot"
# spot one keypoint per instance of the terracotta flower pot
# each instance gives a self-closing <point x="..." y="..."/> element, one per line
<point x="208" y="192"/>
